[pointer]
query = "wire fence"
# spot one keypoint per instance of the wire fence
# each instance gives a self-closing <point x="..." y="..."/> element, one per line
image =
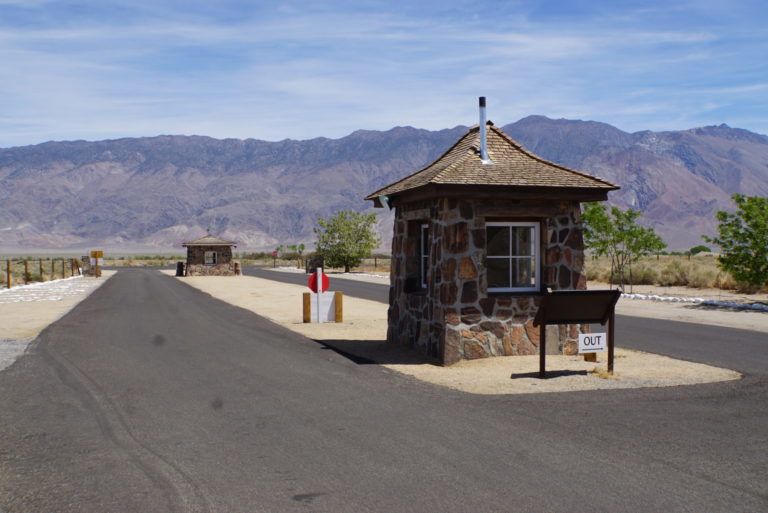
<point x="24" y="271"/>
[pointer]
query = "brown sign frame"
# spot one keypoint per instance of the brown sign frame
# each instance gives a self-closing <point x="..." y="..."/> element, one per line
<point x="576" y="307"/>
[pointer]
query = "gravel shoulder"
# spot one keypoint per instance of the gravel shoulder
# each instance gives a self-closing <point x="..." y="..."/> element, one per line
<point x="362" y="336"/>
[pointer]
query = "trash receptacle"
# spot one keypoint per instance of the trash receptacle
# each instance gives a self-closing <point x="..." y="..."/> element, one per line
<point x="179" y="268"/>
<point x="314" y="262"/>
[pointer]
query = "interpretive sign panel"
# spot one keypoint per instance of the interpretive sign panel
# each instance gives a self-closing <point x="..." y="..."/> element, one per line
<point x="575" y="307"/>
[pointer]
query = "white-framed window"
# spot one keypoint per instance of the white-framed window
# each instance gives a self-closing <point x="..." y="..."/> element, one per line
<point x="513" y="262"/>
<point x="423" y="255"/>
<point x="210" y="258"/>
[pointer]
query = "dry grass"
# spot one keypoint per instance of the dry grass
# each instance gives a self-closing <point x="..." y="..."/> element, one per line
<point x="34" y="274"/>
<point x="143" y="260"/>
<point x="601" y="373"/>
<point x="698" y="271"/>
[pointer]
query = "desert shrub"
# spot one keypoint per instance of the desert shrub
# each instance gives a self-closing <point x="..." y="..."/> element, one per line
<point x="700" y="278"/>
<point x="597" y="272"/>
<point x="643" y="275"/>
<point x="35" y="277"/>
<point x="677" y="273"/>
<point x="724" y="281"/>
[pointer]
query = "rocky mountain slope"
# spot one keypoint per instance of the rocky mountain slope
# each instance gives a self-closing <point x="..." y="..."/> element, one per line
<point x="153" y="193"/>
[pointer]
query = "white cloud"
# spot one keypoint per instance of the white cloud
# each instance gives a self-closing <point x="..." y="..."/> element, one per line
<point x="313" y="72"/>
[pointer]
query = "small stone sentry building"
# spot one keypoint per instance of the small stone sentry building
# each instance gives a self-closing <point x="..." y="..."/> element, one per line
<point x="479" y="236"/>
<point x="210" y="256"/>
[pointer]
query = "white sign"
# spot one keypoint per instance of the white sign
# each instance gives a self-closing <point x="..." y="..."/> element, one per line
<point x="323" y="307"/>
<point x="592" y="343"/>
<point x="99" y="260"/>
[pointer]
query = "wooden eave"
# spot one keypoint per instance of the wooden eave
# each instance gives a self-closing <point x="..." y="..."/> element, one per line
<point x="496" y="192"/>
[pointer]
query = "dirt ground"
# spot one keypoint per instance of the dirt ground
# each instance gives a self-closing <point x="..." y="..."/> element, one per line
<point x="26" y="311"/>
<point x="363" y="332"/>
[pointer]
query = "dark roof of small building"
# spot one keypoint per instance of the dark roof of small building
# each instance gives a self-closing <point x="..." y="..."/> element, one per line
<point x="209" y="241"/>
<point x="512" y="165"/>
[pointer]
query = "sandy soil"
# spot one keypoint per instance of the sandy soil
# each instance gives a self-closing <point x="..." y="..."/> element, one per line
<point x="364" y="330"/>
<point x="26" y="311"/>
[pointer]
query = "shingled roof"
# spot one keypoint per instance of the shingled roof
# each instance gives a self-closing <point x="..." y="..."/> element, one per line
<point x="512" y="166"/>
<point x="209" y="241"/>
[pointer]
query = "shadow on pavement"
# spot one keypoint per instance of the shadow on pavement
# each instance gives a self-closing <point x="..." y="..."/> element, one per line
<point x="376" y="352"/>
<point x="550" y="374"/>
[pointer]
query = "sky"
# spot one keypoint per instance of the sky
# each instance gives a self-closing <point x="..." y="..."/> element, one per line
<point x="106" y="69"/>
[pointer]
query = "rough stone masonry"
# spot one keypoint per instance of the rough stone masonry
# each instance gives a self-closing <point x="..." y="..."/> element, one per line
<point x="455" y="317"/>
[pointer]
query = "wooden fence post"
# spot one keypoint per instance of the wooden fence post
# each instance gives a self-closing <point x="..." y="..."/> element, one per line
<point x="26" y="272"/>
<point x="53" y="270"/>
<point x="63" y="270"/>
<point x="8" y="271"/>
<point x="42" y="278"/>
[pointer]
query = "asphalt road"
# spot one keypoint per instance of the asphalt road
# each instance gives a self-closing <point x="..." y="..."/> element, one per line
<point x="151" y="396"/>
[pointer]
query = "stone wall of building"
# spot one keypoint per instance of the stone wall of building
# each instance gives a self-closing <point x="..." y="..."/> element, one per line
<point x="456" y="318"/>
<point x="230" y="269"/>
<point x="196" y="266"/>
<point x="413" y="318"/>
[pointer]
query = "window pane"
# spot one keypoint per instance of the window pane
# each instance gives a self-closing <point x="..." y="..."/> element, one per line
<point x="498" y="272"/>
<point x="523" y="272"/>
<point x="424" y="241"/>
<point x="522" y="240"/>
<point x="210" y="258"/>
<point x="498" y="240"/>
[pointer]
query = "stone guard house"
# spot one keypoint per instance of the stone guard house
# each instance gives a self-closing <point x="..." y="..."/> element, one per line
<point x="210" y="256"/>
<point x="478" y="241"/>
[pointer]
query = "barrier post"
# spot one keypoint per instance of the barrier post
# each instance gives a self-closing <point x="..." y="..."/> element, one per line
<point x="307" y="307"/>
<point x="338" y="305"/>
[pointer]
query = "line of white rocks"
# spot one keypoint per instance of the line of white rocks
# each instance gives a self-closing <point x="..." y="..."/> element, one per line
<point x="697" y="300"/>
<point x="54" y="290"/>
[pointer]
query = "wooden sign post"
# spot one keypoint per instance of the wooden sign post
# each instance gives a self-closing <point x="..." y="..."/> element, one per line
<point x="576" y="307"/>
<point x="96" y="258"/>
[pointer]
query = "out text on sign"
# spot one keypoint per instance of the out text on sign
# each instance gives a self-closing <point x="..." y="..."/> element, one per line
<point x="592" y="343"/>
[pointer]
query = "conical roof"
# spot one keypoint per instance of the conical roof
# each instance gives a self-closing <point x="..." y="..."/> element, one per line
<point x="512" y="166"/>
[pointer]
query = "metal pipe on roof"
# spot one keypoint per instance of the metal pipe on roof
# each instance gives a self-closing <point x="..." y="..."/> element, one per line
<point x="483" y="133"/>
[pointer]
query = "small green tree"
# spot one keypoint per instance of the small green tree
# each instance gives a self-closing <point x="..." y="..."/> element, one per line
<point x="346" y="239"/>
<point x="699" y="249"/>
<point x="297" y="252"/>
<point x="743" y="239"/>
<point x="618" y="236"/>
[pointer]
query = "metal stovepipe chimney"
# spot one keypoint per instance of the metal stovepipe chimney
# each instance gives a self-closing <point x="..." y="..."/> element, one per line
<point x="483" y="133"/>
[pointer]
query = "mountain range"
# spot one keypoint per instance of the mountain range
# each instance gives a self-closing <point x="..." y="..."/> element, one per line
<point x="152" y="193"/>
